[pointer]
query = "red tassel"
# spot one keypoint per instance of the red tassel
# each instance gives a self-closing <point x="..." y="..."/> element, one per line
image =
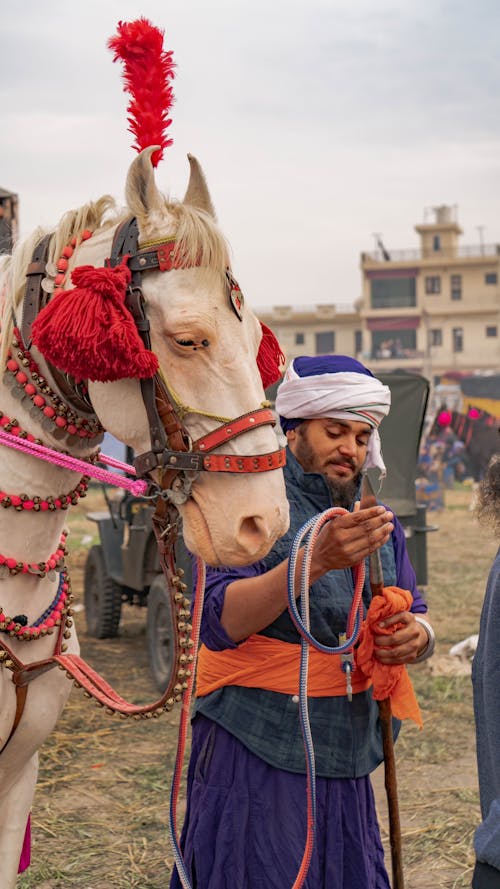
<point x="147" y="72"/>
<point x="270" y="358"/>
<point x="89" y="333"/>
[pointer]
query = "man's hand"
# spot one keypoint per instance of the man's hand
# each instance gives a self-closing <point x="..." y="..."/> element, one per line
<point x="402" y="646"/>
<point x="347" y="539"/>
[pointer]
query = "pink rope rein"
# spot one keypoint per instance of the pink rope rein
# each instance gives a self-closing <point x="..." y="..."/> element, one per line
<point x="137" y="487"/>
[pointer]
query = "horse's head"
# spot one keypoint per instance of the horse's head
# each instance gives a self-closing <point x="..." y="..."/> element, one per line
<point x="206" y="349"/>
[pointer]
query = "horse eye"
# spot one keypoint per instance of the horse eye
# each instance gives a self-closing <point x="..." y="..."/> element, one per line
<point x="185" y="342"/>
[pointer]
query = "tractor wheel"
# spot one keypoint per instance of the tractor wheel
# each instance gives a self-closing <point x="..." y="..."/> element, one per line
<point x="160" y="633"/>
<point x="102" y="597"/>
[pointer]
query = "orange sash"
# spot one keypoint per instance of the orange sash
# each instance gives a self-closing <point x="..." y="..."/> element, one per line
<point x="262" y="662"/>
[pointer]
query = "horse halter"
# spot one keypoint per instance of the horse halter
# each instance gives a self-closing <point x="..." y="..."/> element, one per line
<point x="172" y="449"/>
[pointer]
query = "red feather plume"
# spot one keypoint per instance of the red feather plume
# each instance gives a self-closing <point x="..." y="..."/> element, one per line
<point x="148" y="70"/>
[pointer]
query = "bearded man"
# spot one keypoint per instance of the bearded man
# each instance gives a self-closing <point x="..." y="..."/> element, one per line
<point x="245" y="823"/>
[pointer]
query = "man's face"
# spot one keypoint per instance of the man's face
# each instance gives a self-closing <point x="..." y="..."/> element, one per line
<point x="334" y="448"/>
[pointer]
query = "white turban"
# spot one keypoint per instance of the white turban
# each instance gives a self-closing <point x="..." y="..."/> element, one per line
<point x="339" y="387"/>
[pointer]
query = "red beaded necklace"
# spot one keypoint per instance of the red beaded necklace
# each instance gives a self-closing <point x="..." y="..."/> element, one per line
<point x="54" y="563"/>
<point x="26" y="373"/>
<point x="27" y="376"/>
<point x="36" y="503"/>
<point x="63" y="261"/>
<point x="14" y="428"/>
<point x="44" y="625"/>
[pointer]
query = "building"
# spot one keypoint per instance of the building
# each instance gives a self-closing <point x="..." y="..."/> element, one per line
<point x="315" y="330"/>
<point x="435" y="309"/>
<point x="432" y="310"/>
<point x="8" y="220"/>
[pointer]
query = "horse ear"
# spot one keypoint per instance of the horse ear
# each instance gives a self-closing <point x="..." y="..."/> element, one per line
<point x="141" y="193"/>
<point x="197" y="194"/>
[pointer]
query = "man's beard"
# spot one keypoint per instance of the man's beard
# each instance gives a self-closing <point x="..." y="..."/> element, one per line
<point x="343" y="493"/>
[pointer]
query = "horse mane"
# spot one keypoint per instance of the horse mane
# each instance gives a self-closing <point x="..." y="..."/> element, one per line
<point x="92" y="216"/>
<point x="199" y="241"/>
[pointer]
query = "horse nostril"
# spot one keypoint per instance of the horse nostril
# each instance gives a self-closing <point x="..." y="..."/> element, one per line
<point x="251" y="532"/>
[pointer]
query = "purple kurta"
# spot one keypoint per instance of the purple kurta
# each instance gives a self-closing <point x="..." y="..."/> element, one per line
<point x="225" y="847"/>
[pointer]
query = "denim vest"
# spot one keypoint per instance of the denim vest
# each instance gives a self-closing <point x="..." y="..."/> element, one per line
<point x="346" y="734"/>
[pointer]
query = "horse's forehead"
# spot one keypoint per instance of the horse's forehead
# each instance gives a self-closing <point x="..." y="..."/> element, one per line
<point x="196" y="292"/>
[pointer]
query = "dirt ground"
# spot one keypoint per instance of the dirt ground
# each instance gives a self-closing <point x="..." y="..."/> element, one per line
<point x="101" y="808"/>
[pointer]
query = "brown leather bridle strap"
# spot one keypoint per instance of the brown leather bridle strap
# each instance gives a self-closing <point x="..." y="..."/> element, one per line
<point x="22" y="675"/>
<point x="174" y="430"/>
<point x="33" y="292"/>
<point x="125" y="244"/>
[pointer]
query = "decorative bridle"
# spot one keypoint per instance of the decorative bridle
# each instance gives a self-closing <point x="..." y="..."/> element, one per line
<point x="172" y="450"/>
<point x="177" y="458"/>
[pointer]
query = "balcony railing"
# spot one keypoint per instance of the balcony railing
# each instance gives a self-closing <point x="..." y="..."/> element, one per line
<point x="402" y="355"/>
<point x="415" y="255"/>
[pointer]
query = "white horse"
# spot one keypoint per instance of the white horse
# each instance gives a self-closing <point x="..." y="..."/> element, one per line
<point x="206" y="349"/>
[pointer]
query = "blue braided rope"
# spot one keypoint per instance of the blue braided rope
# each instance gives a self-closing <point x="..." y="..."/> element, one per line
<point x="48" y="611"/>
<point x="301" y="621"/>
<point x="302" y="626"/>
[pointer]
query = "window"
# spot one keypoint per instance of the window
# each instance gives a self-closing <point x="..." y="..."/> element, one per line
<point x="358" y="342"/>
<point x="456" y="286"/>
<point x="325" y="342"/>
<point x="393" y="293"/>
<point x="435" y="337"/>
<point x="433" y="284"/>
<point x="492" y="331"/>
<point x="394" y="344"/>
<point x="458" y="339"/>
<point x="299" y="339"/>
<point x="490" y="278"/>
<point x="436" y="242"/>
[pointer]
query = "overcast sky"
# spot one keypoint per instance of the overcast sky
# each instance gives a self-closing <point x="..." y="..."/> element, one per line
<point x="317" y="122"/>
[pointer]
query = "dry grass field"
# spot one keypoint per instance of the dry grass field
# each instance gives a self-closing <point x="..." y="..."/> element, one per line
<point x="101" y="806"/>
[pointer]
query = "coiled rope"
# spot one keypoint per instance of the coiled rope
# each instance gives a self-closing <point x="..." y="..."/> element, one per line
<point x="309" y="532"/>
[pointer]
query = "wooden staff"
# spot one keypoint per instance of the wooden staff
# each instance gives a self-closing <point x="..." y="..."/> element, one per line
<point x="368" y="499"/>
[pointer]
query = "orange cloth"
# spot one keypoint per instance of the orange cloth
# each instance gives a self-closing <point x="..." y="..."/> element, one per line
<point x="262" y="662"/>
<point x="389" y="680"/>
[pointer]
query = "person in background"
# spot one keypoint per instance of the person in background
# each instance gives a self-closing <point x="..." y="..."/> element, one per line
<point x="245" y="824"/>
<point x="486" y="688"/>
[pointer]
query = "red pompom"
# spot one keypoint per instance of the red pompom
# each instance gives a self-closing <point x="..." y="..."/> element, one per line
<point x="89" y="333"/>
<point x="147" y="73"/>
<point x="270" y="358"/>
<point x="474" y="413"/>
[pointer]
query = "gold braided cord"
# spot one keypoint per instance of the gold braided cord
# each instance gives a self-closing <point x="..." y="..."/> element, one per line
<point x="184" y="409"/>
<point x="157" y="242"/>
